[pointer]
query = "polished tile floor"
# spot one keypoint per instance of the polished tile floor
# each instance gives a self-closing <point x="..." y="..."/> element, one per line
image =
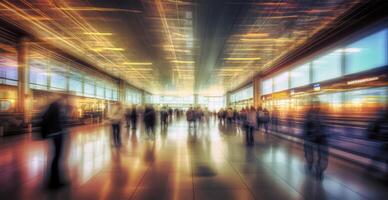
<point x="210" y="162"/>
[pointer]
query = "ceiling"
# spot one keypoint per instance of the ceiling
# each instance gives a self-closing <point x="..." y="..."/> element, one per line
<point x="176" y="47"/>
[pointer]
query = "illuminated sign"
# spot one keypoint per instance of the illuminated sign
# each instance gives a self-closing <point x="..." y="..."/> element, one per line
<point x="364" y="80"/>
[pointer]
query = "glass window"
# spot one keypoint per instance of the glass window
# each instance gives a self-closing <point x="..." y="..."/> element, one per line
<point x="75" y="85"/>
<point x="89" y="88"/>
<point x="58" y="79"/>
<point x="367" y="53"/>
<point x="327" y="67"/>
<point x="38" y="74"/>
<point x="100" y="92"/>
<point x="115" y="94"/>
<point x="281" y="82"/>
<point x="108" y="93"/>
<point x="8" y="69"/>
<point x="267" y="86"/>
<point x="300" y="76"/>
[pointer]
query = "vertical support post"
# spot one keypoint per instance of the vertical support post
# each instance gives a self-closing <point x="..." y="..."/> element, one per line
<point x="227" y="97"/>
<point x="195" y="99"/>
<point x="24" y="101"/>
<point x="122" y="92"/>
<point x="256" y="91"/>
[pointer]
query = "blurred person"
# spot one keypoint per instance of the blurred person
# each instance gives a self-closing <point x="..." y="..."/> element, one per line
<point x="53" y="124"/>
<point x="378" y="131"/>
<point x="235" y="115"/>
<point x="223" y="115"/>
<point x="163" y="117"/>
<point x="190" y="116"/>
<point x="251" y="123"/>
<point x="170" y="114"/>
<point x="243" y="118"/>
<point x="275" y="119"/>
<point x="115" y="119"/>
<point x="133" y="117"/>
<point x="229" y="116"/>
<point x="266" y="119"/>
<point x="219" y="114"/>
<point x="315" y="146"/>
<point x="128" y="117"/>
<point x="206" y="115"/>
<point x="149" y="121"/>
<point x="260" y="117"/>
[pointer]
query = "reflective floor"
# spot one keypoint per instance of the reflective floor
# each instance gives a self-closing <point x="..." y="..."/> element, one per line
<point x="210" y="162"/>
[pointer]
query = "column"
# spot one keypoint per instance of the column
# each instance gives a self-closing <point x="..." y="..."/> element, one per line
<point x="24" y="102"/>
<point x="122" y="92"/>
<point x="256" y="91"/>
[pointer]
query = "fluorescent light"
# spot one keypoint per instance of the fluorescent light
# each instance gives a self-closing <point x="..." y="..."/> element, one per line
<point x="242" y="59"/>
<point x="183" y="62"/>
<point x="98" y="33"/>
<point x="137" y="63"/>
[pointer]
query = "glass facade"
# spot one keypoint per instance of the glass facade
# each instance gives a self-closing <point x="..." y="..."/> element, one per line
<point x="364" y="54"/>
<point x="243" y="94"/>
<point x="8" y="69"/>
<point x="367" y="53"/>
<point x="133" y="96"/>
<point x="327" y="66"/>
<point x="267" y="86"/>
<point x="212" y="103"/>
<point x="280" y="82"/>
<point x="38" y="74"/>
<point x="300" y="76"/>
<point x="54" y="75"/>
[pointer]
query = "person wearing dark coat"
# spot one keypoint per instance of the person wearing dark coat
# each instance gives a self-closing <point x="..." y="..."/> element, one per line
<point x="315" y="145"/>
<point x="53" y="127"/>
<point x="149" y="121"/>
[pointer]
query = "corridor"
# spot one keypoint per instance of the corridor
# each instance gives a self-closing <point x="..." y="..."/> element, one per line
<point x="209" y="162"/>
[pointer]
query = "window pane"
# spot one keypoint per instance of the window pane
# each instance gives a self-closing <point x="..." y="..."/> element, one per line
<point x="75" y="85"/>
<point x="108" y="93"/>
<point x="58" y="81"/>
<point x="8" y="69"/>
<point x="38" y="74"/>
<point x="300" y="76"/>
<point x="281" y="82"/>
<point x="327" y="66"/>
<point x="89" y="89"/>
<point x="267" y="86"/>
<point x="367" y="53"/>
<point x="115" y="94"/>
<point x="100" y="92"/>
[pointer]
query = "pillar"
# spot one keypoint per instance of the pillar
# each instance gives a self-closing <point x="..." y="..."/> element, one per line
<point x="256" y="91"/>
<point x="24" y="101"/>
<point x="122" y="92"/>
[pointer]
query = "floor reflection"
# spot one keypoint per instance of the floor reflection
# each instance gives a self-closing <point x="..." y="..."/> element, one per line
<point x="206" y="162"/>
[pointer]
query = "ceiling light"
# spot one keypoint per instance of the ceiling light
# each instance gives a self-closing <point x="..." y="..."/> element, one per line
<point x="108" y="49"/>
<point x="137" y="63"/>
<point x="183" y="62"/>
<point x="256" y="35"/>
<point x="242" y="59"/>
<point x="98" y="33"/>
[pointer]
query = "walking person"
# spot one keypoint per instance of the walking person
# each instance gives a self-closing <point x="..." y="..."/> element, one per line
<point x="115" y="119"/>
<point x="266" y="119"/>
<point x="315" y="146"/>
<point x="149" y="121"/>
<point x="133" y="117"/>
<point x="251" y="123"/>
<point x="260" y="117"/>
<point x="53" y="126"/>
<point x="378" y="132"/>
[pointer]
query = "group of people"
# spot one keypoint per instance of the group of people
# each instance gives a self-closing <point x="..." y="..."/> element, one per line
<point x="197" y="115"/>
<point x="315" y="146"/>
